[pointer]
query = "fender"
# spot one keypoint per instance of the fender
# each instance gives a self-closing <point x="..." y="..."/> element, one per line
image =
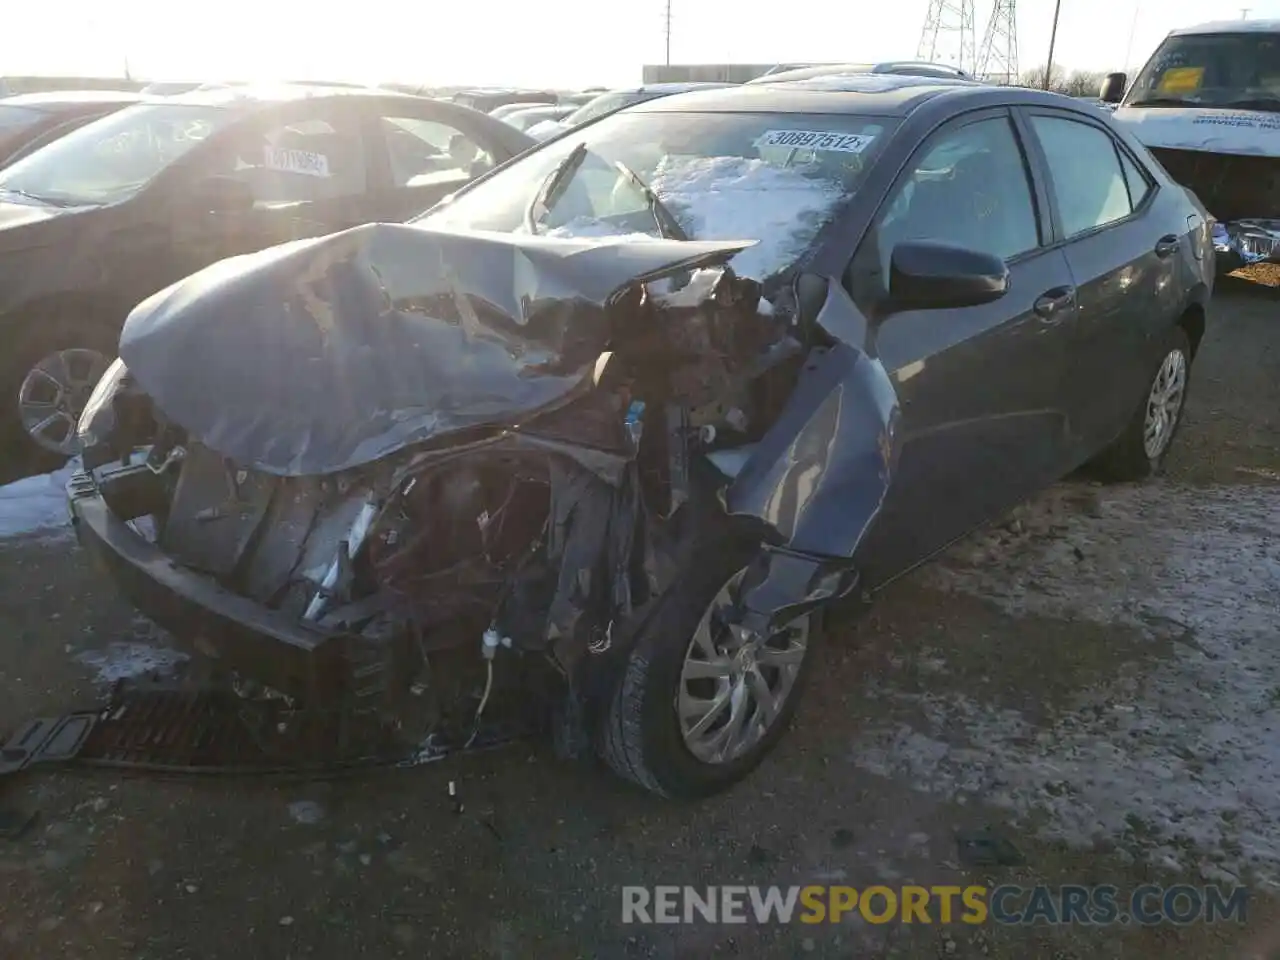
<point x="818" y="477"/>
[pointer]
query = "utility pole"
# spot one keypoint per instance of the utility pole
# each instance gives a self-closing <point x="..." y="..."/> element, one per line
<point x="1053" y="39"/>
<point x="666" y="19"/>
<point x="1244" y="13"/>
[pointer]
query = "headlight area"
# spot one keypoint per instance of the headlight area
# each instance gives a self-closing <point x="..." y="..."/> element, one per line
<point x="116" y="419"/>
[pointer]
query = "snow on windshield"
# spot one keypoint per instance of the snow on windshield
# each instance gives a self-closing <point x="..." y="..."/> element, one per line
<point x="736" y="198"/>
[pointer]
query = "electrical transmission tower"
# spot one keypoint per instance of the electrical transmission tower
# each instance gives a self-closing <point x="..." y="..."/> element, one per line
<point x="948" y="34"/>
<point x="998" y="55"/>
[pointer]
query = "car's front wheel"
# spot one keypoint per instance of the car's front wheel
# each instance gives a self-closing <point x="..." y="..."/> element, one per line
<point x="1141" y="449"/>
<point x="701" y="702"/>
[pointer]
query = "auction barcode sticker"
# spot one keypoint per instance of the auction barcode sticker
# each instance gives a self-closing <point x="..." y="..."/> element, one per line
<point x="816" y="140"/>
<point x="297" y="161"/>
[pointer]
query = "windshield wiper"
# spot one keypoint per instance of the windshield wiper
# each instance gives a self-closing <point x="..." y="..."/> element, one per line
<point x="668" y="226"/>
<point x="1162" y="102"/>
<point x="553" y="187"/>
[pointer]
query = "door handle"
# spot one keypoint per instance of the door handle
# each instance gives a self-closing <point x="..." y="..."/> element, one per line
<point x="1166" y="246"/>
<point x="1052" y="302"/>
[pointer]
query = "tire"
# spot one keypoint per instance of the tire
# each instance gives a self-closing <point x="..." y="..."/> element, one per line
<point x="640" y="737"/>
<point x="43" y="339"/>
<point x="1129" y="457"/>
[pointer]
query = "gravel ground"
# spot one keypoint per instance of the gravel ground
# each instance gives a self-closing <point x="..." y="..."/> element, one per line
<point x="1094" y="679"/>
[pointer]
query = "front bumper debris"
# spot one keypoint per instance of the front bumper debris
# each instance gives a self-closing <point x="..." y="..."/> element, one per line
<point x="205" y="619"/>
<point x="1245" y="242"/>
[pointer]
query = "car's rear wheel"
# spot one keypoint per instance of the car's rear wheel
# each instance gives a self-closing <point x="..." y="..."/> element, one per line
<point x="1141" y="449"/>
<point x="700" y="703"/>
<point x="49" y="379"/>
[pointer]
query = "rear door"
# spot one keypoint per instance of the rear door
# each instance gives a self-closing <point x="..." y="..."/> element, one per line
<point x="1123" y="257"/>
<point x="982" y="422"/>
<point x="421" y="153"/>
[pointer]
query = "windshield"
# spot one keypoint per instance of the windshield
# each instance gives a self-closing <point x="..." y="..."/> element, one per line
<point x="1211" y="70"/>
<point x="774" y="178"/>
<point x="113" y="158"/>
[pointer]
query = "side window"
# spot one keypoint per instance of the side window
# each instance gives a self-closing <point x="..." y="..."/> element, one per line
<point x="1088" y="179"/>
<point x="299" y="161"/>
<point x="968" y="187"/>
<point x="425" y="152"/>
<point x="1139" y="182"/>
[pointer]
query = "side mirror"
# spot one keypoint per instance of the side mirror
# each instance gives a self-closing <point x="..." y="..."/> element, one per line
<point x="1113" y="88"/>
<point x="218" y="195"/>
<point x="929" y="275"/>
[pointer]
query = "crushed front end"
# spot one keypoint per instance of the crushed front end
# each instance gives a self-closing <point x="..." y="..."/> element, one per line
<point x="1241" y="192"/>
<point x="328" y="540"/>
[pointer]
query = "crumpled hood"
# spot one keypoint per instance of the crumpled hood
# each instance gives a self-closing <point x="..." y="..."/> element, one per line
<point x="1248" y="132"/>
<point x="325" y="354"/>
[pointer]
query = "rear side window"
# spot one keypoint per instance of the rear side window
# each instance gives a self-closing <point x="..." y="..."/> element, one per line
<point x="1089" y="181"/>
<point x="423" y="153"/>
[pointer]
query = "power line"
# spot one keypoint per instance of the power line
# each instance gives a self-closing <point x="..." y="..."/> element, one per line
<point x="998" y="55"/>
<point x="948" y="33"/>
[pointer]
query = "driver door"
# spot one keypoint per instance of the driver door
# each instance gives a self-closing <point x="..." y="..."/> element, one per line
<point x="983" y="421"/>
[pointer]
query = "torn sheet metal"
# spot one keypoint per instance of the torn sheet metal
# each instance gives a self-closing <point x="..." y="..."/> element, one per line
<point x="1250" y="241"/>
<point x="326" y="354"/>
<point x="821" y="472"/>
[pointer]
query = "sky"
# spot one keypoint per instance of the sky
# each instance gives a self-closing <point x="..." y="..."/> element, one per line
<point x="546" y="42"/>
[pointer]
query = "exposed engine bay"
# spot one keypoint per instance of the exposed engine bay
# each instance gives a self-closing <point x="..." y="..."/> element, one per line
<point x="1241" y="191"/>
<point x="433" y="564"/>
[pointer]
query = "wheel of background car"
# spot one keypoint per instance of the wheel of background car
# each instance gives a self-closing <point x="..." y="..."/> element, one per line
<point x="49" y="380"/>
<point x="1141" y="449"/>
<point x="699" y="705"/>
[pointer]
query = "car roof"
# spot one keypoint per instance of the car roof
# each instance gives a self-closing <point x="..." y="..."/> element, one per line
<point x="887" y="67"/>
<point x="1229" y="26"/>
<point x="58" y="98"/>
<point x="855" y="94"/>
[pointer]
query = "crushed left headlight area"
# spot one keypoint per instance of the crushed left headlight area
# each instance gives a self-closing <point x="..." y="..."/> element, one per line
<point x="455" y="589"/>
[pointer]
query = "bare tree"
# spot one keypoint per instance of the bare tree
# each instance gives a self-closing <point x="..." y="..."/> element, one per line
<point x="1084" y="83"/>
<point x="1035" y="78"/>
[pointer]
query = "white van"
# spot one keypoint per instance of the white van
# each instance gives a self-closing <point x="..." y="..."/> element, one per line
<point x="1207" y="105"/>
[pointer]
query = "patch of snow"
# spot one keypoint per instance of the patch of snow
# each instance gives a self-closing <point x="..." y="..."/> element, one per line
<point x="1179" y="756"/>
<point x="122" y="661"/>
<point x="36" y="505"/>
<point x="742" y="198"/>
<point x="590" y="227"/>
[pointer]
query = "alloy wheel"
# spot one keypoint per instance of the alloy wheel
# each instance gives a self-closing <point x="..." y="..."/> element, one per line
<point x="734" y="684"/>
<point x="1164" y="404"/>
<point x="53" y="395"/>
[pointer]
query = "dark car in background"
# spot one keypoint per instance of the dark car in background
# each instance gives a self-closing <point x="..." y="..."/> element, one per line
<point x="108" y="214"/>
<point x="619" y="421"/>
<point x="613" y="100"/>
<point x="896" y="68"/>
<point x="30" y="120"/>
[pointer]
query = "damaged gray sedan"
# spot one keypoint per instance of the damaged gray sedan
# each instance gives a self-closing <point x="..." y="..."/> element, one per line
<point x="610" y="431"/>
